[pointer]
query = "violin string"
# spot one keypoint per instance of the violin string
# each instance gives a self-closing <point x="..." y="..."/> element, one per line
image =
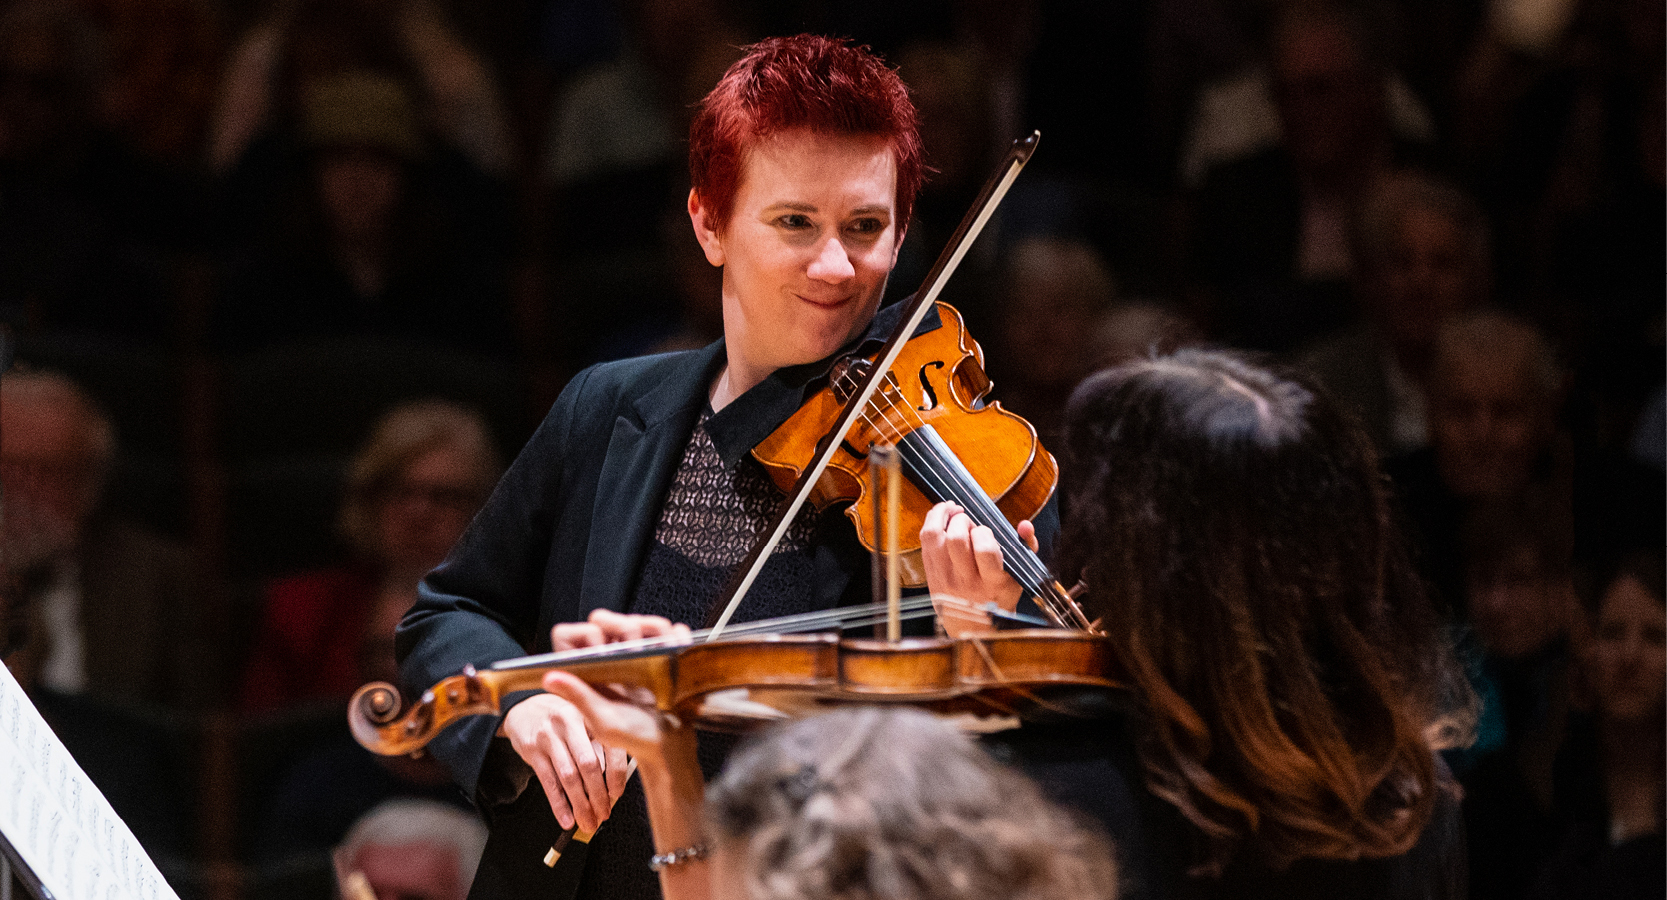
<point x="955" y="483"/>
<point x="844" y="617"/>
<point x="959" y="486"/>
<point x="952" y="480"/>
<point x="948" y="483"/>
<point x="912" y="607"/>
<point x="1024" y="563"/>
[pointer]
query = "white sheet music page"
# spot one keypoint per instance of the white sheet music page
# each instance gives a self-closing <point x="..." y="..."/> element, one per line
<point x="58" y="821"/>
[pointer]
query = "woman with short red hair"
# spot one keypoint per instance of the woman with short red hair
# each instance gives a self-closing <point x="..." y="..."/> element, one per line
<point x="637" y="494"/>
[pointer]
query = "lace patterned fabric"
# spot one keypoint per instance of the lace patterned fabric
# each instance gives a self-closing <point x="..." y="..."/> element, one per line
<point x="714" y="514"/>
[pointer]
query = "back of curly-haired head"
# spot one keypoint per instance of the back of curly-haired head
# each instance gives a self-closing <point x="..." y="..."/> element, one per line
<point x="1236" y="538"/>
<point x="893" y="803"/>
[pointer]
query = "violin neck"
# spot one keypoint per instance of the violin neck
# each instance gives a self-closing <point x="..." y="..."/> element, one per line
<point x="937" y="471"/>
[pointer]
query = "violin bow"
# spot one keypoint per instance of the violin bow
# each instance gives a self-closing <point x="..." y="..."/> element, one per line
<point x="977" y="216"/>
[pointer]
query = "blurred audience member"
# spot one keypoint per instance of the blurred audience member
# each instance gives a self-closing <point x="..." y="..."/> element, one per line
<point x="278" y="61"/>
<point x="1495" y="392"/>
<point x="1054" y="292"/>
<point x="1612" y="763"/>
<point x="1521" y="600"/>
<point x="1142" y="328"/>
<point x="954" y="96"/>
<point x="410" y="850"/>
<point x="411" y="491"/>
<point x="82" y="220"/>
<point x="1421" y="255"/>
<point x="1269" y="243"/>
<point x="697" y="286"/>
<point x="1190" y="44"/>
<point x="1564" y="128"/>
<point x="632" y="112"/>
<point x="614" y="148"/>
<point x="1238" y="116"/>
<point x="165" y="62"/>
<point x="368" y="246"/>
<point x="112" y="609"/>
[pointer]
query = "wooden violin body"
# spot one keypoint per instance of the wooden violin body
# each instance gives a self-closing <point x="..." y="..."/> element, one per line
<point x="938" y="380"/>
<point x="734" y="684"/>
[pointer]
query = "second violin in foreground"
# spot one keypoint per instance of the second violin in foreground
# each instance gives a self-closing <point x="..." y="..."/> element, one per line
<point x="761" y="674"/>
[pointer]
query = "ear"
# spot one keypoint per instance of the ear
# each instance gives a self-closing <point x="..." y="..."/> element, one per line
<point x="897" y="248"/>
<point x="710" y="240"/>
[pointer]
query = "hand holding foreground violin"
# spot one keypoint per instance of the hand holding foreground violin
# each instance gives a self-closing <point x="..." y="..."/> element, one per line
<point x="583" y="774"/>
<point x="664" y="749"/>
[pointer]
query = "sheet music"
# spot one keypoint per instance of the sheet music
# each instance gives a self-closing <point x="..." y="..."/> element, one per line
<point x="58" y="821"/>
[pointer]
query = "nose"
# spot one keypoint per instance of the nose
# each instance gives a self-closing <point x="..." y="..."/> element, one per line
<point x="832" y="263"/>
<point x="1632" y="649"/>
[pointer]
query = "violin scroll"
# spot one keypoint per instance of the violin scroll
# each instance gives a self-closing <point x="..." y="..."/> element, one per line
<point x="381" y="726"/>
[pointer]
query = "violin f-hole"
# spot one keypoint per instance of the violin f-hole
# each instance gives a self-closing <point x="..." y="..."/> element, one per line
<point x="926" y="391"/>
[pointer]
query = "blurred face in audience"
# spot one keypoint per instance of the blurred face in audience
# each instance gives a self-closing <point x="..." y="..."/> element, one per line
<point x="1488" y="422"/>
<point x="1428" y="276"/>
<point x="1629" y="656"/>
<point x="1517" y="607"/>
<point x="1057" y="292"/>
<point x="39" y="104"/>
<point x="49" y="473"/>
<point x="411" y="871"/>
<point x="423" y="511"/>
<point x="1329" y="96"/>
<point x="360" y="190"/>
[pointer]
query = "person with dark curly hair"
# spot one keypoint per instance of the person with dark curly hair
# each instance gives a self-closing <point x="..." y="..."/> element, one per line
<point x="1291" y="686"/>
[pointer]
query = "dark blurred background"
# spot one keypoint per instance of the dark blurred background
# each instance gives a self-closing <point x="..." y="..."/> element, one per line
<point x="289" y="281"/>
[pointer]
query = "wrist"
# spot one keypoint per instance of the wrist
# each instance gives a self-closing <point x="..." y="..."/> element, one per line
<point x="674" y="750"/>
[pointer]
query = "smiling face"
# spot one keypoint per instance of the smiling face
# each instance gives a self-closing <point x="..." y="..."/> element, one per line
<point x="811" y="238"/>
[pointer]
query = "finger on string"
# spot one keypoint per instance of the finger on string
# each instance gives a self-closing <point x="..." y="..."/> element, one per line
<point x="618" y="771"/>
<point x="1027" y="533"/>
<point x="958" y="534"/>
<point x="660" y="626"/>
<point x="986" y="551"/>
<point x="576" y="635"/>
<point x="932" y="525"/>
<point x="617" y="626"/>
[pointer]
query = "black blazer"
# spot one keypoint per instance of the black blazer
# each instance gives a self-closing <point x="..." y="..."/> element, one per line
<point x="566" y="531"/>
<point x="598" y="465"/>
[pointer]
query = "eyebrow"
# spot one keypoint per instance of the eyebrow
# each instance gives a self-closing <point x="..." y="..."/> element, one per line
<point x="797" y="206"/>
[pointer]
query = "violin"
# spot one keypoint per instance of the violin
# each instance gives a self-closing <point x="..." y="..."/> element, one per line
<point x="769" y="670"/>
<point x="953" y="447"/>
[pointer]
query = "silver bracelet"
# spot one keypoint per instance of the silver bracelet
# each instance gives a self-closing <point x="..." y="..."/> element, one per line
<point x="676" y="857"/>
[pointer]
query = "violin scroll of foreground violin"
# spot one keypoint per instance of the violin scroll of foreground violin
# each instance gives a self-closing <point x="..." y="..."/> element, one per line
<point x="743" y="681"/>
